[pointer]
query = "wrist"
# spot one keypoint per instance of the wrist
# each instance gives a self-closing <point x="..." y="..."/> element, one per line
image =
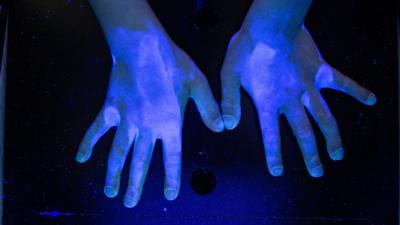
<point x="269" y="18"/>
<point x="139" y="48"/>
<point x="121" y="39"/>
<point x="124" y="21"/>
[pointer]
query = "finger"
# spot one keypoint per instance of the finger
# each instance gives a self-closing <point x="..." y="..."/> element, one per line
<point x="230" y="98"/>
<point x="122" y="143"/>
<point x="340" y="82"/>
<point x="304" y="134"/>
<point x="141" y="157"/>
<point x="269" y="123"/>
<point x="103" y="122"/>
<point x="318" y="108"/>
<point x="172" y="154"/>
<point x="205" y="102"/>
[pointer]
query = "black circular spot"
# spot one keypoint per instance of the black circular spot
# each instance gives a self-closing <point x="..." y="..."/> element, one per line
<point x="203" y="182"/>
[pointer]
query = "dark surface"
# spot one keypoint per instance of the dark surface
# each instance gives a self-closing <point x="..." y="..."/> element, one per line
<point x="57" y="79"/>
<point x="203" y="182"/>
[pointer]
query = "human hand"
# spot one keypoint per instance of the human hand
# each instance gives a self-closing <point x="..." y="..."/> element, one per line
<point x="283" y="72"/>
<point x="150" y="83"/>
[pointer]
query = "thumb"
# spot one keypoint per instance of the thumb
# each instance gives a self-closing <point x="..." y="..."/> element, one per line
<point x="205" y="101"/>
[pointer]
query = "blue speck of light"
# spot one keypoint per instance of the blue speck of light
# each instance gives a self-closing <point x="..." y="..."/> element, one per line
<point x="55" y="213"/>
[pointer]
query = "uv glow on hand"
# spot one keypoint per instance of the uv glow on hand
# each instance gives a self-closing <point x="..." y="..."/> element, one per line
<point x="284" y="75"/>
<point x="151" y="81"/>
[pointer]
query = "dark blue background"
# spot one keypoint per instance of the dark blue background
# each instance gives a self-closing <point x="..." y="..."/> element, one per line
<point x="58" y="71"/>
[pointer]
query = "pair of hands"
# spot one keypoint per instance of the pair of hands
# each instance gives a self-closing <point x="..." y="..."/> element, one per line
<point x="152" y="80"/>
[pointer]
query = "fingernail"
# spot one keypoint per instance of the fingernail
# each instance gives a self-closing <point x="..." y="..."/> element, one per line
<point x="170" y="194"/>
<point x="218" y="124"/>
<point x="277" y="171"/>
<point x="371" y="99"/>
<point x="80" y="157"/>
<point x="317" y="171"/>
<point x="130" y="202"/>
<point x="338" y="154"/>
<point x="229" y="121"/>
<point x="110" y="191"/>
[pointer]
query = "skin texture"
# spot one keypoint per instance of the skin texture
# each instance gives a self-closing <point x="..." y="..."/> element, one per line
<point x="281" y="69"/>
<point x="151" y="81"/>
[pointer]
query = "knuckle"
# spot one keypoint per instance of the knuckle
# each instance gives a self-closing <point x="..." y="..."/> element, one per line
<point x="304" y="132"/>
<point x="111" y="115"/>
<point x="210" y="107"/>
<point x="141" y="159"/>
<point x="114" y="166"/>
<point x="120" y="151"/>
<point x="273" y="160"/>
<point x="314" y="159"/>
<point x="342" y="81"/>
<point x="114" y="160"/>
<point x="271" y="141"/>
<point x="324" y="117"/>
<point x="140" y="164"/>
<point x="324" y="75"/>
<point x="229" y="105"/>
<point x="90" y="134"/>
<point x="173" y="159"/>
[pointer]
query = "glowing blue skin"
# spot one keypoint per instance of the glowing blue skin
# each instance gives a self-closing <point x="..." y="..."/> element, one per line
<point x="150" y="84"/>
<point x="275" y="60"/>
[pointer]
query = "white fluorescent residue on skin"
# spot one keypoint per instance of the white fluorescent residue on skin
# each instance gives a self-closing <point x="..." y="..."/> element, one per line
<point x="150" y="52"/>
<point x="324" y="75"/>
<point x="111" y="116"/>
<point x="260" y="59"/>
<point x="143" y="102"/>
<point x="150" y="62"/>
<point x="280" y="67"/>
<point x="262" y="54"/>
